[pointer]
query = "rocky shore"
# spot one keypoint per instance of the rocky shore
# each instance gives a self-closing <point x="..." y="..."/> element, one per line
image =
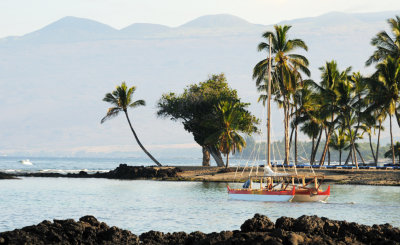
<point x="123" y="171"/>
<point x="257" y="230"/>
<point x="215" y="174"/>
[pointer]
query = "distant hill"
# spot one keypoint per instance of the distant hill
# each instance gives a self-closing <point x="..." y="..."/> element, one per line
<point x="53" y="80"/>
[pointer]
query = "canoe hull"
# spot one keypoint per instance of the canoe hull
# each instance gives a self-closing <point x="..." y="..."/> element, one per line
<point x="304" y="195"/>
<point x="261" y="195"/>
<point x="262" y="198"/>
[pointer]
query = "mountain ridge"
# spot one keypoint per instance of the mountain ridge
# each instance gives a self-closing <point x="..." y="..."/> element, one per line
<point x="51" y="91"/>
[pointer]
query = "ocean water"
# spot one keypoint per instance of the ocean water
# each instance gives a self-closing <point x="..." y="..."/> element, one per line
<point x="74" y="165"/>
<point x="143" y="205"/>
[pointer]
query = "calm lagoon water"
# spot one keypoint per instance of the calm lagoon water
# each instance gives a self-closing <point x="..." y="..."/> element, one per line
<point x="141" y="206"/>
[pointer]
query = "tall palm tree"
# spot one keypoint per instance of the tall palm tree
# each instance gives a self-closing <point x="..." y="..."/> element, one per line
<point x="387" y="93"/>
<point x="286" y="68"/>
<point x="227" y="137"/>
<point x="332" y="78"/>
<point x="385" y="44"/>
<point x="121" y="99"/>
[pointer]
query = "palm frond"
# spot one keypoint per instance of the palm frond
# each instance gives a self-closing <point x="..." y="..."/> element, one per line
<point x="111" y="113"/>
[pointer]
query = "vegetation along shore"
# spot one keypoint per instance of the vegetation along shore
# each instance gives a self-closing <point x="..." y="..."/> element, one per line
<point x="336" y="113"/>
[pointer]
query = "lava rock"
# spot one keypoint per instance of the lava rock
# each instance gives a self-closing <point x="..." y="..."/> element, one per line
<point x="257" y="223"/>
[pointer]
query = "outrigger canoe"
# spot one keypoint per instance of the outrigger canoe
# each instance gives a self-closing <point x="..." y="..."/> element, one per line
<point x="284" y="191"/>
<point x="263" y="195"/>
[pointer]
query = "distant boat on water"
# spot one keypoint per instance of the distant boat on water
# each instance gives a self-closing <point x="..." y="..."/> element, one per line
<point x="26" y="162"/>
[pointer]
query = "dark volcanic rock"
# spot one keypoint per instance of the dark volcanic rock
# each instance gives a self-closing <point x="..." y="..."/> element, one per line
<point x="123" y="171"/>
<point x="6" y="176"/>
<point x="258" y="223"/>
<point x="257" y="230"/>
<point x="86" y="231"/>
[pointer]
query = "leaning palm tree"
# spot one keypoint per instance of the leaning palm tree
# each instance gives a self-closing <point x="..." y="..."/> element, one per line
<point x="121" y="99"/>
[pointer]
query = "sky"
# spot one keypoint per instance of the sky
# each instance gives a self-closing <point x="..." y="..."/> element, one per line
<point x="18" y="17"/>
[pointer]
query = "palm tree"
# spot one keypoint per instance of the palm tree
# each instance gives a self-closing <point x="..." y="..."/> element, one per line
<point x="121" y="99"/>
<point x="385" y="44"/>
<point x="339" y="141"/>
<point x="396" y="151"/>
<point x="286" y="76"/>
<point x="387" y="91"/>
<point x="332" y="79"/>
<point x="227" y="137"/>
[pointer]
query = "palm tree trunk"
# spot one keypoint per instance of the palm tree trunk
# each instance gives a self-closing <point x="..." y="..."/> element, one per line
<point x="138" y="141"/>
<point x="286" y="121"/>
<point x="354" y="154"/>
<point x="317" y="146"/>
<point x="295" y="145"/>
<point x="359" y="153"/>
<point x="370" y="145"/>
<point x="391" y="139"/>
<point x="329" y="152"/>
<point x="206" y="157"/>
<point x="216" y="154"/>
<point x="340" y="157"/>
<point x="227" y="160"/>
<point x="328" y="137"/>
<point x="348" y="157"/>
<point x="377" y="146"/>
<point x="312" y="147"/>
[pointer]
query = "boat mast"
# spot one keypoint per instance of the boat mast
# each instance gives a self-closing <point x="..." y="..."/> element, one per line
<point x="269" y="106"/>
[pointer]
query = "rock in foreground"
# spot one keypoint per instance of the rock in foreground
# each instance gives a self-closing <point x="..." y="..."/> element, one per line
<point x="258" y="230"/>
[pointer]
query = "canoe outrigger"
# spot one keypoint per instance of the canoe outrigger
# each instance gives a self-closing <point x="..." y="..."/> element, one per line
<point x="281" y="187"/>
<point x="269" y="193"/>
<point x="310" y="194"/>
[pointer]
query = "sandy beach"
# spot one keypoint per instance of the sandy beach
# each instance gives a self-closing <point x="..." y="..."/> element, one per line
<point x="337" y="176"/>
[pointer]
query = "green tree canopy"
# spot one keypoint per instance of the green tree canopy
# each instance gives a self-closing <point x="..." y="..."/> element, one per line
<point x="197" y="109"/>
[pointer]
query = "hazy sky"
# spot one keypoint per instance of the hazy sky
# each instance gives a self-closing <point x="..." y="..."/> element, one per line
<point x="18" y="17"/>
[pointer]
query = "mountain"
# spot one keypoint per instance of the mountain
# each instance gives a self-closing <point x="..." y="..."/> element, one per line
<point x="143" y="30"/>
<point x="218" y="20"/>
<point x="53" y="80"/>
<point x="71" y="29"/>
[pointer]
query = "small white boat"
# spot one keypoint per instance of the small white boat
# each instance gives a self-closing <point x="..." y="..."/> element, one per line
<point x="26" y="162"/>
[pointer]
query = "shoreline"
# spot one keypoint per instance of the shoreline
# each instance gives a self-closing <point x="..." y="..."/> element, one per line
<point x="381" y="177"/>
<point x="257" y="230"/>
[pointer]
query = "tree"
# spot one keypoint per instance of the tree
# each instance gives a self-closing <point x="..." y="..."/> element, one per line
<point x="331" y="78"/>
<point x="396" y="151"/>
<point x="386" y="81"/>
<point x="387" y="46"/>
<point x="196" y="107"/>
<point x="227" y="137"/>
<point x="286" y="68"/>
<point x="339" y="141"/>
<point x="121" y="99"/>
